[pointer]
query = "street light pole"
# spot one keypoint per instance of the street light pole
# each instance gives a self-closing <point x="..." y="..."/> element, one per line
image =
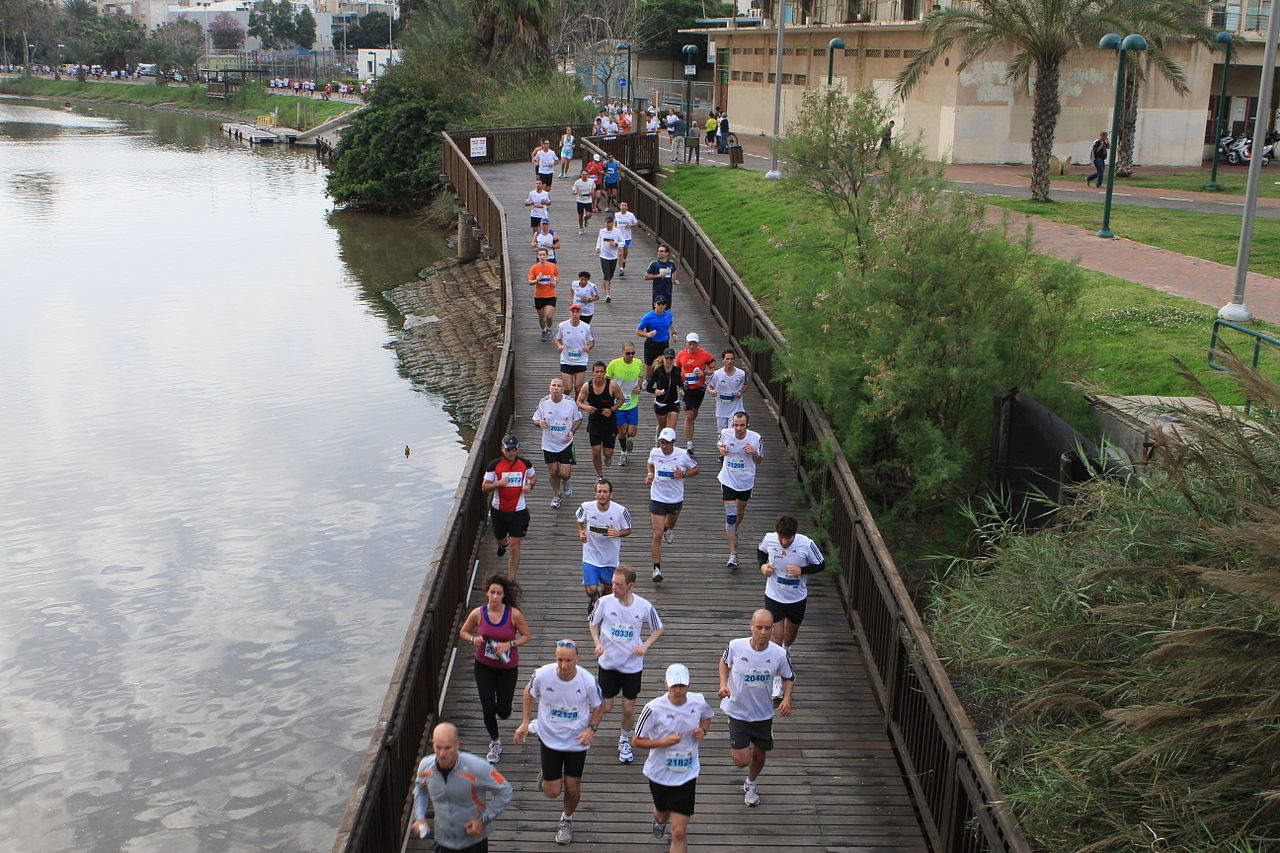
<point x="690" y="52"/>
<point x="621" y="93"/>
<point x="832" y="46"/>
<point x="1235" y="310"/>
<point x="1111" y="41"/>
<point x="774" y="173"/>
<point x="1225" y="40"/>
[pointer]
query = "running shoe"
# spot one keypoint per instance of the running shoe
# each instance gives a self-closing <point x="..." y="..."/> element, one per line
<point x="591" y="604"/>
<point x="581" y="231"/>
<point x="568" y="490"/>
<point x="555" y="501"/>
<point x="732" y="562"/>
<point x="622" y="272"/>
<point x="608" y="299"/>
<point x="565" y="835"/>
<point x="657" y="574"/>
<point x="659" y="830"/>
<point x="752" y="796"/>
<point x="777" y="687"/>
<point x="668" y="535"/>
<point x="495" y="751"/>
<point x="502" y="550"/>
<point x="625" y="755"/>
<point x="622" y="461"/>
<point x="688" y="448"/>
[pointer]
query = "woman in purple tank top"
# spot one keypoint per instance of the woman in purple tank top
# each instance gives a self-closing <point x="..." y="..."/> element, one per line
<point x="496" y="629"/>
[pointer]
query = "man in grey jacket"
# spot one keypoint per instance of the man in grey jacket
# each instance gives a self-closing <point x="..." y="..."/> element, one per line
<point x="459" y="784"/>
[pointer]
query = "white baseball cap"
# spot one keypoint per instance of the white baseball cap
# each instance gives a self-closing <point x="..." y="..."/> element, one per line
<point x="692" y="338"/>
<point x="667" y="434"/>
<point x="677" y="673"/>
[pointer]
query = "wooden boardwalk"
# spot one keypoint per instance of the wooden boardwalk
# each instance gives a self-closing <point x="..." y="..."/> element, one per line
<point x="832" y="782"/>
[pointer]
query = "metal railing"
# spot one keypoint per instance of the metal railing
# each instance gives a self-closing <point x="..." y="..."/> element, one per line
<point x="377" y="813"/>
<point x="1259" y="338"/>
<point x="955" y="793"/>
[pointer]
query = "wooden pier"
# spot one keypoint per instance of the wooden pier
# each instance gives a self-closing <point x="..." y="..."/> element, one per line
<point x="258" y="135"/>
<point x="833" y="782"/>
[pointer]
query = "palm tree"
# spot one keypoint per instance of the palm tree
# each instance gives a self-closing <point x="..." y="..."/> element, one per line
<point x="1042" y="33"/>
<point x="513" y="32"/>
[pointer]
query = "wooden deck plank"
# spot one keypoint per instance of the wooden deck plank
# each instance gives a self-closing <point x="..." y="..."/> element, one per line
<point x="832" y="783"/>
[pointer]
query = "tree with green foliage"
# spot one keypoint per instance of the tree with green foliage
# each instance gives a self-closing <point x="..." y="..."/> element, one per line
<point x="513" y="34"/>
<point x="372" y="31"/>
<point x="929" y="314"/>
<point x="177" y="44"/>
<point x="663" y="20"/>
<point x="304" y="28"/>
<point x="226" y="33"/>
<point x="272" y="22"/>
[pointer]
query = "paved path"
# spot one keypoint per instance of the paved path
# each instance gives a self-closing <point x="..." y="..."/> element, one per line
<point x="833" y="782"/>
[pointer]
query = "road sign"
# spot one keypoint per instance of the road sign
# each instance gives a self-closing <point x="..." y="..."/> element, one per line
<point x="691" y="71"/>
<point x="622" y="82"/>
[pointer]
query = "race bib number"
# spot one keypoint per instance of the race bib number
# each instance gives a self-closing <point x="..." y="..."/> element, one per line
<point x="783" y="580"/>
<point x="598" y="529"/>
<point x="735" y="464"/>
<point x="679" y="760"/>
<point x="690" y="378"/>
<point x="622" y="632"/>
<point x="564" y="712"/>
<point x="757" y="676"/>
<point x="668" y="474"/>
<point x="573" y="353"/>
<point x="515" y="478"/>
<point x="558" y="427"/>
<point x="544" y="279"/>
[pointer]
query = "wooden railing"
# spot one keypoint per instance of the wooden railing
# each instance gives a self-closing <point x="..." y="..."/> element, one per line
<point x="638" y="151"/>
<point x="377" y="813"/>
<point x="955" y="793"/>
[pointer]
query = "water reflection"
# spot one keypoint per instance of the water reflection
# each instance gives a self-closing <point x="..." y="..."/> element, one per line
<point x="210" y="536"/>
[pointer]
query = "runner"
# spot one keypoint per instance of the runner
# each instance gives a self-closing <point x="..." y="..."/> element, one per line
<point x="620" y="651"/>
<point x="664" y="384"/>
<point x="539" y="203"/>
<point x="741" y="450"/>
<point x="567" y="140"/>
<point x="693" y="362"/>
<point x="625" y="220"/>
<point x="601" y="524"/>
<point x="600" y="399"/>
<point x="545" y="238"/>
<point x="510" y="477"/>
<point x="558" y="417"/>
<point x="612" y="171"/>
<point x="544" y="277"/>
<point x="574" y="339"/>
<point x="584" y="192"/>
<point x="746" y="668"/>
<point x="672" y="727"/>
<point x="728" y="384"/>
<point x="656" y="327"/>
<point x="785" y="558"/>
<point x="668" y="467"/>
<point x="626" y="371"/>
<point x="608" y="245"/>
<point x="569" y="710"/>
<point x="497" y="629"/>
<point x="662" y="273"/>
<point x="544" y="160"/>
<point x="586" y="294"/>
<point x="466" y="803"/>
<point x="596" y="170"/>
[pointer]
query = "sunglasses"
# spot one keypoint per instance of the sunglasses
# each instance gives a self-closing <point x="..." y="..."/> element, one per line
<point x="568" y="644"/>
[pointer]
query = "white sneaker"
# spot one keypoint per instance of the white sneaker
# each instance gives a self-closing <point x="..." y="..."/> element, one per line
<point x="751" y="796"/>
<point x="688" y="447"/>
<point x="555" y="501"/>
<point x="668" y="535"/>
<point x="625" y="755"/>
<point x="657" y="574"/>
<point x="581" y="231"/>
<point x="777" y="687"/>
<point x="622" y="461"/>
<point x="495" y="751"/>
<point x="659" y="829"/>
<point x="565" y="835"/>
<point x="622" y="272"/>
<point x="732" y="562"/>
<point x="568" y="490"/>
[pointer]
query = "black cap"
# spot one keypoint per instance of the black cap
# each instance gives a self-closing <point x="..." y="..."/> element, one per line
<point x="668" y="353"/>
<point x="659" y="300"/>
<point x="510" y="442"/>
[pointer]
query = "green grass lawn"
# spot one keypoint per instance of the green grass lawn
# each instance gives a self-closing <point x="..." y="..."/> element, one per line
<point x="1231" y="178"/>
<point x="251" y="101"/>
<point x="1127" y="335"/>
<point x="1211" y="236"/>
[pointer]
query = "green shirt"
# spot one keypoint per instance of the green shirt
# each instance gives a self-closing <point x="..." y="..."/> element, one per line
<point x="628" y="378"/>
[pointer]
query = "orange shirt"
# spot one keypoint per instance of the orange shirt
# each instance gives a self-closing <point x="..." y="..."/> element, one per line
<point x="541" y="289"/>
<point x="687" y="361"/>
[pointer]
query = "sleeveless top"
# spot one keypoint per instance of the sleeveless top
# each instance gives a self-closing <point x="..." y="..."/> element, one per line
<point x="604" y="400"/>
<point x="503" y="631"/>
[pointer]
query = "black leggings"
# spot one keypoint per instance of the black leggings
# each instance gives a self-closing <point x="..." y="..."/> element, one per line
<point x="497" y="688"/>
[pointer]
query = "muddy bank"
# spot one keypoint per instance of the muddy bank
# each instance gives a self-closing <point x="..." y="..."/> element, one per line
<point x="452" y="333"/>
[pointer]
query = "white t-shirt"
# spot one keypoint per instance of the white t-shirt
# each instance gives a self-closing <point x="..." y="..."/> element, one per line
<point x="575" y="339"/>
<point x="609" y="251"/>
<point x="728" y="390"/>
<point x="673" y="765"/>
<point x="546" y="160"/>
<point x="620" y="631"/>
<point x="651" y="125"/>
<point x="583" y="189"/>
<point x="625" y="221"/>
<point x="540" y="201"/>
<point x="585" y="295"/>
<point x="666" y="488"/>
<point x="751" y="679"/>
<point x="560" y="418"/>
<point x="803" y="552"/>
<point x="546" y="241"/>
<point x="739" y="469"/>
<point x="564" y="707"/>
<point x="599" y="549"/>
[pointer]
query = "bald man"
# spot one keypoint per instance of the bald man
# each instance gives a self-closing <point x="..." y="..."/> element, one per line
<point x="459" y="784"/>
<point x="747" y="668"/>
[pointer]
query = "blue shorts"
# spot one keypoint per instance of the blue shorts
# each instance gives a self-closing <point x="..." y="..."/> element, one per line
<point x="597" y="575"/>
<point x="627" y="244"/>
<point x="629" y="416"/>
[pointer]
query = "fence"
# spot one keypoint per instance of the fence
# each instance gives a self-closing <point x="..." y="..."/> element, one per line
<point x="376" y="816"/>
<point x="639" y="151"/>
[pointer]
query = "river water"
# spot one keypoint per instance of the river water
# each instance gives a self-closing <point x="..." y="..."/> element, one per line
<point x="211" y="538"/>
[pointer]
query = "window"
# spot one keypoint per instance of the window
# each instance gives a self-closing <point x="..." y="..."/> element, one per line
<point x="872" y="53"/>
<point x="735" y="75"/>
<point x="851" y="51"/>
<point x="786" y="79"/>
<point x="910" y="53"/>
<point x="819" y="51"/>
<point x="737" y="50"/>
<point x="802" y="51"/>
<point x="787" y="51"/>
<point x="758" y="76"/>
<point x="772" y="78"/>
<point x="759" y="51"/>
<point x="800" y="79"/>
<point x="892" y="53"/>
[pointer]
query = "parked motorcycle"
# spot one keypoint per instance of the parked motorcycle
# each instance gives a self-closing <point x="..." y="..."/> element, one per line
<point x="1240" y="150"/>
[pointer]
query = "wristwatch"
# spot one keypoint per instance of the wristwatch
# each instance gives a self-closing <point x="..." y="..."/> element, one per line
<point x="595" y="728"/>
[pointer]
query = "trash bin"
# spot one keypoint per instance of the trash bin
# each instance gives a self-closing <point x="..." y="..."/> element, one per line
<point x="735" y="155"/>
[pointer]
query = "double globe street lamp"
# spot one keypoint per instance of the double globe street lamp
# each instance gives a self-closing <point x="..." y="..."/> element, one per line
<point x="1111" y="41"/>
<point x="1223" y="39"/>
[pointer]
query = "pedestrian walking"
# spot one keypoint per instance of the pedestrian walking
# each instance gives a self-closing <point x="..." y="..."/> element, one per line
<point x="466" y="792"/>
<point x="497" y="629"/>
<point x="510" y="478"/>
<point x="1098" y="154"/>
<point x="617" y="626"/>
